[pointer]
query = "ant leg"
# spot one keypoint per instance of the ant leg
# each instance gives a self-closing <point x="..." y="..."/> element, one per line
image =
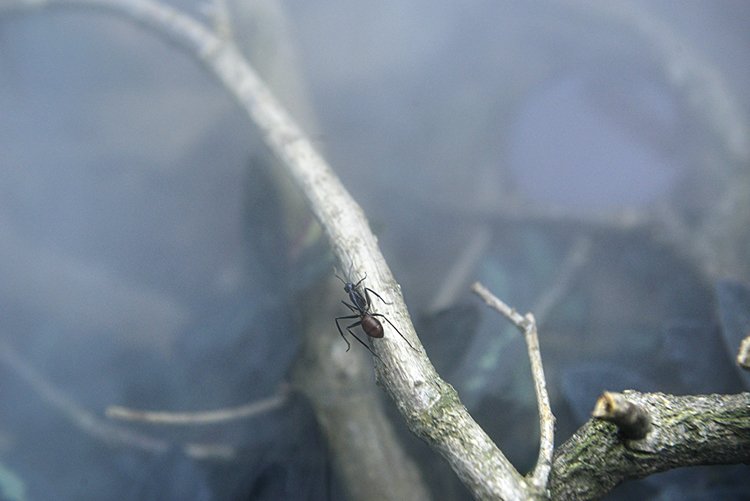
<point x="337" y="320"/>
<point x="395" y="328"/>
<point x="349" y="329"/>
<point x="367" y="289"/>
<point x="355" y="324"/>
<point x="360" y="280"/>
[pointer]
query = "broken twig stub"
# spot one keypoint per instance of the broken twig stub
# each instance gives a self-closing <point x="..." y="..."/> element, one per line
<point x="632" y="420"/>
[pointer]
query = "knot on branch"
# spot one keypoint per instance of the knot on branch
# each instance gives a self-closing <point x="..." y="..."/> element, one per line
<point x="743" y="355"/>
<point x="631" y="419"/>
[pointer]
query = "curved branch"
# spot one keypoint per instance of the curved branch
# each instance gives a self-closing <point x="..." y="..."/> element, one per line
<point x="685" y="431"/>
<point x="200" y="417"/>
<point x="430" y="406"/>
<point x="92" y="425"/>
<point x="527" y="325"/>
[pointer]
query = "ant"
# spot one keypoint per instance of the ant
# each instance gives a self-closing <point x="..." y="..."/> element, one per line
<point x="361" y="304"/>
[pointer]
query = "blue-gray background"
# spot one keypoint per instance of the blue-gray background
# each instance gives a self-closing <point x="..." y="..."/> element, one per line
<point x="144" y="260"/>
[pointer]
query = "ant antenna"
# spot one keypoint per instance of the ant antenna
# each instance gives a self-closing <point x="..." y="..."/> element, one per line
<point x="337" y="276"/>
<point x="351" y="268"/>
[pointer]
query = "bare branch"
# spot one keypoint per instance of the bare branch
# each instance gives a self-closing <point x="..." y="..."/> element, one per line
<point x="686" y="431"/>
<point x="198" y="418"/>
<point x="370" y="460"/>
<point x="429" y="405"/>
<point x="496" y="304"/>
<point x="95" y="427"/>
<point x="77" y="415"/>
<point x="527" y="326"/>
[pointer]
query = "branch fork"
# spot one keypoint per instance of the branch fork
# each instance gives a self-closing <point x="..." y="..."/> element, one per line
<point x="526" y="324"/>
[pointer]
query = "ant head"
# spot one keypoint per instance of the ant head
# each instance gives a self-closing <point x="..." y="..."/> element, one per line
<point x="349" y="286"/>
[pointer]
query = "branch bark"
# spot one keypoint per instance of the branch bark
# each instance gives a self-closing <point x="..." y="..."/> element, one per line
<point x="593" y="461"/>
<point x="369" y="458"/>
<point x="429" y="405"/>
<point x="685" y="431"/>
<point x="527" y="326"/>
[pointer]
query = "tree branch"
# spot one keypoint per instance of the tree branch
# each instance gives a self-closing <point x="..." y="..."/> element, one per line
<point x="527" y="326"/>
<point x="92" y="425"/>
<point x="685" y="431"/>
<point x="369" y="457"/>
<point x="429" y="405"/>
<point x="200" y="417"/>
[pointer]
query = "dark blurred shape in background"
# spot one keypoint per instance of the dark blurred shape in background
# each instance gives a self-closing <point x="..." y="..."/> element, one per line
<point x="585" y="159"/>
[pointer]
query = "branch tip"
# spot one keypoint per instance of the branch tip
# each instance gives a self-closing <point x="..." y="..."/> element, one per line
<point x="527" y="325"/>
<point x="631" y="419"/>
<point x="743" y="355"/>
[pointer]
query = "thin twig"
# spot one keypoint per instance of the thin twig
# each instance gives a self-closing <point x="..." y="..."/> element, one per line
<point x="496" y="304"/>
<point x="429" y="405"/>
<point x="77" y="415"/>
<point x="198" y="418"/>
<point x="95" y="427"/>
<point x="540" y="474"/>
<point x="527" y="325"/>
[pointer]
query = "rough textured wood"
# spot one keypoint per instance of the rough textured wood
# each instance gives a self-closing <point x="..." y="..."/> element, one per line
<point x="370" y="461"/>
<point x="429" y="405"/>
<point x="686" y="431"/>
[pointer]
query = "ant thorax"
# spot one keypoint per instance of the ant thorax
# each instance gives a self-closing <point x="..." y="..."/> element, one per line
<point x="359" y="295"/>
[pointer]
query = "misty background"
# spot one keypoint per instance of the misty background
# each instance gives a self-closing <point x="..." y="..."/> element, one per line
<point x="587" y="161"/>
